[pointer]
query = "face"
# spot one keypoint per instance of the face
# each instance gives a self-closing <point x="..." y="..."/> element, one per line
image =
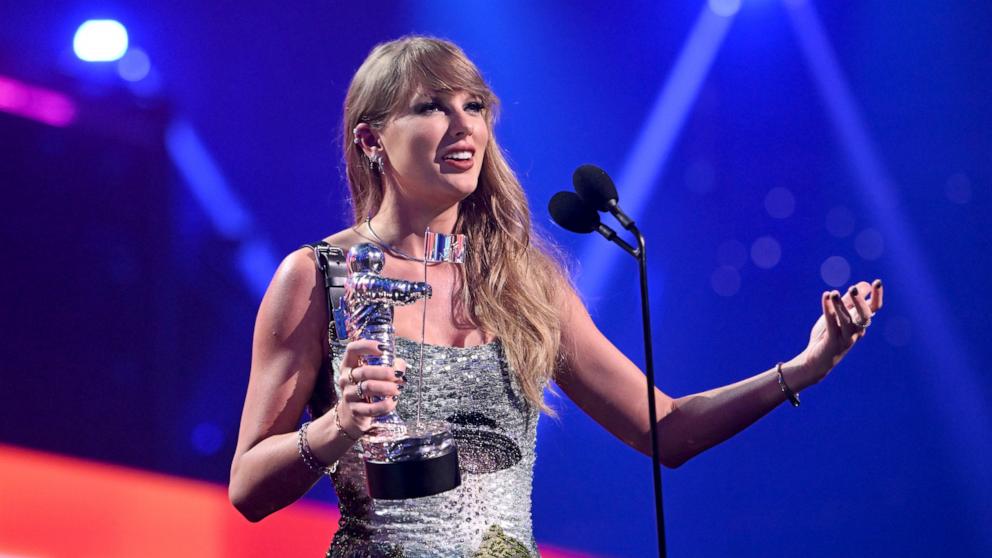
<point x="434" y="146"/>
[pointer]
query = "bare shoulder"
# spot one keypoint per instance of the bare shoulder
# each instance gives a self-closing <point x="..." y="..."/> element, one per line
<point x="297" y="274"/>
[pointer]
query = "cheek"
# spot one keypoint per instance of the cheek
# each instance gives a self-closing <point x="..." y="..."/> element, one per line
<point x="423" y="148"/>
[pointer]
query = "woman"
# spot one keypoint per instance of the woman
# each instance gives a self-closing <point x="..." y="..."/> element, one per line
<point x="419" y="152"/>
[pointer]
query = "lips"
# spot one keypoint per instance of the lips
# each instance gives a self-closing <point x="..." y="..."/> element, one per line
<point x="459" y="156"/>
<point x="458" y="164"/>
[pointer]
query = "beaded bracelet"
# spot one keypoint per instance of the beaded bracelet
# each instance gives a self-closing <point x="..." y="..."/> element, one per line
<point x="789" y="394"/>
<point x="308" y="457"/>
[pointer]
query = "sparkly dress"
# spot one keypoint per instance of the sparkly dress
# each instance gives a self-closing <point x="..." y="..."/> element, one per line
<point x="495" y="427"/>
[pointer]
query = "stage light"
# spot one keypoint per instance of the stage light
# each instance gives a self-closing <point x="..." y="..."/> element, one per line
<point x="835" y="271"/>
<point x="37" y="103"/>
<point x="654" y="144"/>
<point x="840" y="222"/>
<point x="780" y="203"/>
<point x="100" y="40"/>
<point x="725" y="8"/>
<point x="869" y="244"/>
<point x="134" y="66"/>
<point x="725" y="281"/>
<point x="766" y="252"/>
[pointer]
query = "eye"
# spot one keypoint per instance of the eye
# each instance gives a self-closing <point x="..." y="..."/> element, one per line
<point x="427" y="108"/>
<point x="475" y="106"/>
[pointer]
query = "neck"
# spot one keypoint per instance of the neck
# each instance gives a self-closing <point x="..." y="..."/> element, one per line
<point x="402" y="224"/>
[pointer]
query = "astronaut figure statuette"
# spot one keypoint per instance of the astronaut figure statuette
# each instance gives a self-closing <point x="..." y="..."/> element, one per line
<point x="402" y="460"/>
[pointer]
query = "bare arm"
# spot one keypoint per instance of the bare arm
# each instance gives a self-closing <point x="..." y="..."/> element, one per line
<point x="267" y="473"/>
<point x="610" y="388"/>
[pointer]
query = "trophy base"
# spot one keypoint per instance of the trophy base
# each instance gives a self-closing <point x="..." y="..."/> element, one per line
<point x="410" y="460"/>
<point x="413" y="479"/>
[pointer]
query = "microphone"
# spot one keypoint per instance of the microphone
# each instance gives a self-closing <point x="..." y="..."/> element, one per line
<point x="572" y="213"/>
<point x="596" y="188"/>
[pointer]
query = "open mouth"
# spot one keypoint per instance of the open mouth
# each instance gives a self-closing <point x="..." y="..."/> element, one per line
<point x="458" y="156"/>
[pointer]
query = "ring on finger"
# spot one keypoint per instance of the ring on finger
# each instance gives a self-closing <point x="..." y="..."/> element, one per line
<point x="861" y="326"/>
<point x="351" y="375"/>
<point x="361" y="390"/>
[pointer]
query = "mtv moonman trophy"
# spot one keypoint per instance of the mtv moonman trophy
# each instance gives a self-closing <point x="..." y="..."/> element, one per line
<point x="402" y="460"/>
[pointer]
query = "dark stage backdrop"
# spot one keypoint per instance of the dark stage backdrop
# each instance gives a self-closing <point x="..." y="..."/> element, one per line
<point x="770" y="150"/>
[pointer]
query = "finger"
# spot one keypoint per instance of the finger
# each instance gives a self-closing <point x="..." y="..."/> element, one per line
<point x="370" y="389"/>
<point x="376" y="409"/>
<point x="843" y="315"/>
<point x="830" y="315"/>
<point x="860" y="305"/>
<point x="876" y="295"/>
<point x="354" y="351"/>
<point x="384" y="373"/>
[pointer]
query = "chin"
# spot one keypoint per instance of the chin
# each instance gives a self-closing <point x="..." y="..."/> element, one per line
<point x="464" y="186"/>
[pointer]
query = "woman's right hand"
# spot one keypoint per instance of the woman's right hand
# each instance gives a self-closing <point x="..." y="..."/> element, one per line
<point x="379" y="392"/>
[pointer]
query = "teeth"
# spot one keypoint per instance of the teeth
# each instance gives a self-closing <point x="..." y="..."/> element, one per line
<point x="460" y="155"/>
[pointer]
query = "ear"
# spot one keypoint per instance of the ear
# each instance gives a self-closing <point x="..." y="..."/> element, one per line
<point x="366" y="138"/>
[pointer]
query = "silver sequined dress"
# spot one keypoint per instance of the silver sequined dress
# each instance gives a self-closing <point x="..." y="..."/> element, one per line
<point x="495" y="427"/>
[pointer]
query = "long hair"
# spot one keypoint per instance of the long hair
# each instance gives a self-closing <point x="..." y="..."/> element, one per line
<point x="510" y="286"/>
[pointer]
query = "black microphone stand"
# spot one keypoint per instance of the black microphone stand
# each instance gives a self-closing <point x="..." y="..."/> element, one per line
<point x="640" y="254"/>
<point x="576" y="214"/>
<point x="652" y="410"/>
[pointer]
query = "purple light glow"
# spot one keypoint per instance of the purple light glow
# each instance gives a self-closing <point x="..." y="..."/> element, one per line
<point x="36" y="103"/>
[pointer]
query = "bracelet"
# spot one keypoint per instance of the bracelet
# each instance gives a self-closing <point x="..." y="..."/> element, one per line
<point x="789" y="394"/>
<point x="308" y="457"/>
<point x="337" y="422"/>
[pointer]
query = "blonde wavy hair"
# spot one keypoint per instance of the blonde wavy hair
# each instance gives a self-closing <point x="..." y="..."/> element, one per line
<point x="512" y="283"/>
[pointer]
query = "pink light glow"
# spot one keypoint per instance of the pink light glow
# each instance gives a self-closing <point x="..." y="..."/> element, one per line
<point x="36" y="103"/>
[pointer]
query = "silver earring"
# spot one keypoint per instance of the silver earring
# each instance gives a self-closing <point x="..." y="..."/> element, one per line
<point x="355" y="133"/>
<point x="375" y="161"/>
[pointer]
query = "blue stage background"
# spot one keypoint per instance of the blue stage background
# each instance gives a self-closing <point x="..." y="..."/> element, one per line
<point x="770" y="150"/>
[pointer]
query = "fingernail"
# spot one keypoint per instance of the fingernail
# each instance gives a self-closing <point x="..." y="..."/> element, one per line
<point x="835" y="295"/>
<point x="396" y="398"/>
<point x="878" y="282"/>
<point x="399" y="373"/>
<point x="854" y="291"/>
<point x="401" y="387"/>
<point x="383" y="346"/>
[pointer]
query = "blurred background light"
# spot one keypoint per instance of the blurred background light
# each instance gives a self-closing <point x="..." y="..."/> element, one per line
<point x="36" y="103"/>
<point x="780" y="203"/>
<point x="100" y="40"/>
<point x="840" y="222"/>
<point x="869" y="244"/>
<point x="726" y="281"/>
<point x="134" y="65"/>
<point x="725" y="8"/>
<point x="835" y="271"/>
<point x="766" y="252"/>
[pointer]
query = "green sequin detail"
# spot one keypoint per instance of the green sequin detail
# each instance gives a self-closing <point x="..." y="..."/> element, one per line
<point x="497" y="544"/>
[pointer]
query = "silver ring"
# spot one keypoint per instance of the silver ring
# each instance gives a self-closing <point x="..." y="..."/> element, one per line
<point x="361" y="391"/>
<point x="351" y="375"/>
<point x="861" y="326"/>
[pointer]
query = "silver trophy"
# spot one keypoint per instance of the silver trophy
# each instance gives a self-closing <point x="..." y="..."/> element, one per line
<point x="402" y="459"/>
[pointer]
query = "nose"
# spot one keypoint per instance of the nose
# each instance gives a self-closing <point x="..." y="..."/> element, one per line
<point x="461" y="124"/>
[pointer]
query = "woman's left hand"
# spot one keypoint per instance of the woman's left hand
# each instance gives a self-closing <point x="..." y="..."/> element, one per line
<point x="844" y="321"/>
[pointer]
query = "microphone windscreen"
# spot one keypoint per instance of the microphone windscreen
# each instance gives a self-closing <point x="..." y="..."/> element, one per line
<point x="594" y="186"/>
<point x="571" y="213"/>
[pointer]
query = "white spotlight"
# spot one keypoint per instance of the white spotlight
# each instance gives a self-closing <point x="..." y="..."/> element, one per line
<point x="725" y="8"/>
<point x="100" y="40"/>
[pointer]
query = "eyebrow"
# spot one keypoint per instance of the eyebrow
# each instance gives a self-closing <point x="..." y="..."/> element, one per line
<point x="439" y="93"/>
